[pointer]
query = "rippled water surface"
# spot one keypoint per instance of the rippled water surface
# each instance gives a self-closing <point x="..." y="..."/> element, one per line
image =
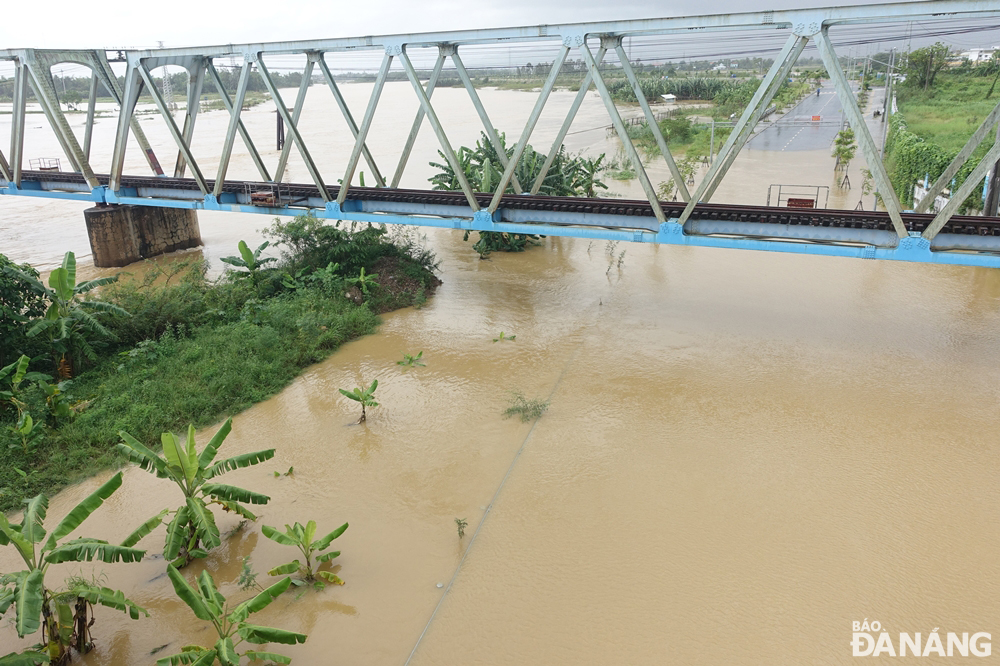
<point x="744" y="453"/>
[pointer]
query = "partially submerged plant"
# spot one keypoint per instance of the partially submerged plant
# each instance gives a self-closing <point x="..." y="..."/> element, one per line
<point x="303" y="538"/>
<point x="504" y="336"/>
<point x="64" y="617"/>
<point x="365" y="396"/>
<point x="192" y="531"/>
<point x="411" y="361"/>
<point x="231" y="626"/>
<point x="527" y="409"/>
<point x="461" y="523"/>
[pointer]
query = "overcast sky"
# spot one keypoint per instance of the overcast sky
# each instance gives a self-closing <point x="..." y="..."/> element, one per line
<point x="58" y="23"/>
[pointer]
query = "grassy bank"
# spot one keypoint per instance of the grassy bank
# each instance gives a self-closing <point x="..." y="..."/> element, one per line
<point x="195" y="350"/>
<point x="948" y="112"/>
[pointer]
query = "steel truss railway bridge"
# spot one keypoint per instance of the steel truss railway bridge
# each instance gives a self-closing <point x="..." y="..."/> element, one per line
<point x="941" y="237"/>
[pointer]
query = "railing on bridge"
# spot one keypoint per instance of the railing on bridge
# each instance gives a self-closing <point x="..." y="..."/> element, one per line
<point x="910" y="238"/>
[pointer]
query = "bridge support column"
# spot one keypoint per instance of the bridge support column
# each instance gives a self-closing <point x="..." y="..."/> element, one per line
<point x="123" y="234"/>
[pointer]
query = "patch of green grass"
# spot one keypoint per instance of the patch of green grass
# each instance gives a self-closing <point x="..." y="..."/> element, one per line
<point x="948" y="112"/>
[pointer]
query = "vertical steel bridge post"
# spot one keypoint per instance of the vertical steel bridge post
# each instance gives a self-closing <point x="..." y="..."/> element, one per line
<point x="529" y="127"/>
<point x="419" y="119"/>
<point x="432" y="117"/>
<point x="366" y="123"/>
<point x="300" y="100"/>
<point x="353" y="126"/>
<point x="650" y="119"/>
<point x="491" y="131"/>
<point x="727" y="154"/>
<point x="244" y="134"/>
<point x="234" y="123"/>
<point x="865" y="140"/>
<point x="616" y="120"/>
<point x="574" y="108"/>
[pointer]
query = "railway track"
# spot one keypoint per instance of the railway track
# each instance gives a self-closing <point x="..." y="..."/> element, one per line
<point x="731" y="213"/>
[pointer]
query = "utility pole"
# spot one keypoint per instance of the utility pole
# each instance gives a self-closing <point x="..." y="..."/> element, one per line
<point x="168" y="90"/>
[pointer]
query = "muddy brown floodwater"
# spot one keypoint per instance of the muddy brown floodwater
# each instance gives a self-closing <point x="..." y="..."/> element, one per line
<point x="744" y="453"/>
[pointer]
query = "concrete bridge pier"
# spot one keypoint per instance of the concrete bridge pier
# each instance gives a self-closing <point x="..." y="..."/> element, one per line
<point x="123" y="234"/>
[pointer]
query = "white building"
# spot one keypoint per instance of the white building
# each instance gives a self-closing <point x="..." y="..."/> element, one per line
<point x="978" y="55"/>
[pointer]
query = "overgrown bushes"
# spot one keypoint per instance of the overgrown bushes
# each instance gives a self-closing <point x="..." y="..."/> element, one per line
<point x="194" y="350"/>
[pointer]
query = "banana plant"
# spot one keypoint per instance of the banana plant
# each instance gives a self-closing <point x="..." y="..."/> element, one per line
<point x="303" y="538"/>
<point x="69" y="321"/>
<point x="365" y="282"/>
<point x="63" y="617"/>
<point x="12" y="377"/>
<point x="231" y="626"/>
<point x="250" y="260"/>
<point x="366" y="396"/>
<point x="192" y="531"/>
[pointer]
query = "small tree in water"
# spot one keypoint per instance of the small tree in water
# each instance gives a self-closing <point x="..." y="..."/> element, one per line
<point x="192" y="531"/>
<point x="365" y="396"/>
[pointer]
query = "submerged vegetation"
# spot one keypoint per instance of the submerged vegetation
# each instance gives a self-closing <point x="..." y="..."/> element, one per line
<point x="238" y="340"/>
<point x="482" y="167"/>
<point x="528" y="409"/>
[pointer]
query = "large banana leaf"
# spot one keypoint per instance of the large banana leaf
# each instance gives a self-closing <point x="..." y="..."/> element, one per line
<point x="6" y="599"/>
<point x="59" y="282"/>
<point x="324" y="543"/>
<point x="326" y="557"/>
<point x="29" y="658"/>
<point x="255" y="655"/>
<point x="12" y="534"/>
<point x="238" y="509"/>
<point x="253" y="633"/>
<point x="189" y="595"/>
<point x="28" y="601"/>
<point x="226" y="652"/>
<point x="34" y="516"/>
<point x="274" y="535"/>
<point x="176" y="534"/>
<point x="198" y="656"/>
<point x="259" y="602"/>
<point x="104" y="596"/>
<point x="234" y="494"/>
<point x="179" y="457"/>
<point x="210" y="592"/>
<point x="85" y="550"/>
<point x="143" y="456"/>
<point x="204" y="523"/>
<point x="145" y="529"/>
<point x="82" y="510"/>
<point x="69" y="265"/>
<point x="328" y="576"/>
<point x="290" y="567"/>
<point x="208" y="454"/>
<point x="237" y="462"/>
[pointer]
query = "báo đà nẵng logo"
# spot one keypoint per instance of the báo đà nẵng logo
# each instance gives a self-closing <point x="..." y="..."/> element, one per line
<point x="870" y="641"/>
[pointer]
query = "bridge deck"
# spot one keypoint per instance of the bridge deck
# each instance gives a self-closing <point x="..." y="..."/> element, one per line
<point x="869" y="234"/>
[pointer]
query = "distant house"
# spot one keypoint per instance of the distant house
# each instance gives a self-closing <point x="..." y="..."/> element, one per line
<point x="976" y="56"/>
<point x="668" y="98"/>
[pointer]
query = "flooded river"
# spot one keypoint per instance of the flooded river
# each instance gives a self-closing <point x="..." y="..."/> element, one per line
<point x="744" y="453"/>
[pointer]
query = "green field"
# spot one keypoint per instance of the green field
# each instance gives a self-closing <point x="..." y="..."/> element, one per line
<point x="950" y="111"/>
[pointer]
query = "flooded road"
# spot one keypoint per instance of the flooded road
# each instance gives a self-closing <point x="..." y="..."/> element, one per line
<point x="744" y="453"/>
